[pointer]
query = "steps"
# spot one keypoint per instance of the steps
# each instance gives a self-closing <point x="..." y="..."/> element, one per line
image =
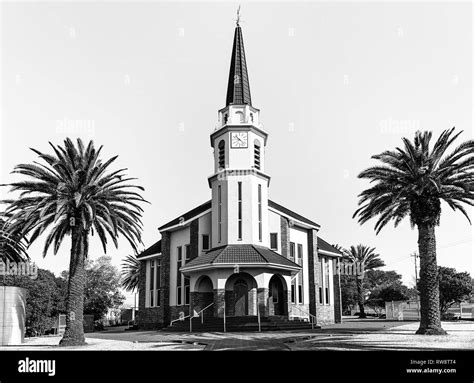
<point x="238" y="324"/>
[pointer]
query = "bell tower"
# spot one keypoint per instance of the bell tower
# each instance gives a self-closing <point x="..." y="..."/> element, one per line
<point x="239" y="183"/>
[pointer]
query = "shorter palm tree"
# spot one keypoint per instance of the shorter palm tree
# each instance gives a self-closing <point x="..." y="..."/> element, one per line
<point x="130" y="273"/>
<point x="12" y="246"/>
<point x="367" y="259"/>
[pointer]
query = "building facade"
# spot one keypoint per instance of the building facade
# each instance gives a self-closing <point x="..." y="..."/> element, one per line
<point x="239" y="254"/>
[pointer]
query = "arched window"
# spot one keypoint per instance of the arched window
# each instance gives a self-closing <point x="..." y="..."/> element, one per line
<point x="256" y="154"/>
<point x="221" y="148"/>
<point x="240" y="116"/>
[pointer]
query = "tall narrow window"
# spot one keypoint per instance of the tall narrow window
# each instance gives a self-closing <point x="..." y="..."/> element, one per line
<point x="187" y="291"/>
<point x="321" y="281"/>
<point x="293" y="292"/>
<point x="187" y="255"/>
<point x="219" y="213"/>
<point x="260" y="213"/>
<point x="292" y="251"/>
<point x="326" y="281"/>
<point x="205" y="242"/>
<point x="158" y="282"/>
<point x="300" y="274"/>
<point x="152" y="283"/>
<point x="178" y="276"/>
<point x="274" y="241"/>
<point x="256" y="155"/>
<point x="221" y="153"/>
<point x="239" y="203"/>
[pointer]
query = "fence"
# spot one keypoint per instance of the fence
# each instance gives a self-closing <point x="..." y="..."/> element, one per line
<point x="402" y="310"/>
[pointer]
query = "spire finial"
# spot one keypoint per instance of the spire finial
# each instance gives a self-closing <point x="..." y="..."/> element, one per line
<point x="238" y="15"/>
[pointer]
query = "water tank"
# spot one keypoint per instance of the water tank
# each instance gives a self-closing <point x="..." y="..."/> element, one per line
<point x="12" y="315"/>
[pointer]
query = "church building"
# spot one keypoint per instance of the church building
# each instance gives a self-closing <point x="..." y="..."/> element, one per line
<point x="239" y="254"/>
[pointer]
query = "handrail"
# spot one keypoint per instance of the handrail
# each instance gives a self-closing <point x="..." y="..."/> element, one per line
<point x="180" y="318"/>
<point x="193" y="315"/>
<point x="311" y="316"/>
<point x="200" y="312"/>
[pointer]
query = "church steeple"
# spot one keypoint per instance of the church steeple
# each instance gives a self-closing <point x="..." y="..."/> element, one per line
<point x="238" y="88"/>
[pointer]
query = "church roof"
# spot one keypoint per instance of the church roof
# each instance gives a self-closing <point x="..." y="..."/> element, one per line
<point x="238" y="254"/>
<point x="291" y="213"/>
<point x="238" y="88"/>
<point x="183" y="218"/>
<point x="152" y="250"/>
<point x="324" y="246"/>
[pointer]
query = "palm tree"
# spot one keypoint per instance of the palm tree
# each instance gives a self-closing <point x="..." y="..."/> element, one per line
<point x="412" y="182"/>
<point x="367" y="259"/>
<point x="72" y="195"/>
<point x="130" y="272"/>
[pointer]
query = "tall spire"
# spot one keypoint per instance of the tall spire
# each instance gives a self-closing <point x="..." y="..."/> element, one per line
<point x="238" y="88"/>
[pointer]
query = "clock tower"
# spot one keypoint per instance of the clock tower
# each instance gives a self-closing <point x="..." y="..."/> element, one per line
<point x="239" y="183"/>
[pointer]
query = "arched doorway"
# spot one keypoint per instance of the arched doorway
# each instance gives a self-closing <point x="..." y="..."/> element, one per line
<point x="241" y="295"/>
<point x="241" y="298"/>
<point x="203" y="295"/>
<point x="277" y="304"/>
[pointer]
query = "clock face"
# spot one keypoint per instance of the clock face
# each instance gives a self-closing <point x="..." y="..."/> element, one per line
<point x="239" y="139"/>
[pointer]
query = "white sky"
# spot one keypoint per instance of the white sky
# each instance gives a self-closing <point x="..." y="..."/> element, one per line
<point x="336" y="83"/>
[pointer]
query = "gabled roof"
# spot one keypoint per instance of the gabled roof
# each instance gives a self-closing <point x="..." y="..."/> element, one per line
<point x="291" y="213"/>
<point x="238" y="87"/>
<point x="241" y="254"/>
<point x="188" y="215"/>
<point x="152" y="250"/>
<point x="207" y="205"/>
<point x="324" y="246"/>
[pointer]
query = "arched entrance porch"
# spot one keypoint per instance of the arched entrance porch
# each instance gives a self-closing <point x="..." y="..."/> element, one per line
<point x="277" y="296"/>
<point x="203" y="295"/>
<point x="241" y="295"/>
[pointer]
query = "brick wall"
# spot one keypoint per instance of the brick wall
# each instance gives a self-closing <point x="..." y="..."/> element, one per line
<point x="194" y="238"/>
<point x="312" y="264"/>
<point x="165" y="276"/>
<point x="337" y="293"/>
<point x="285" y="237"/>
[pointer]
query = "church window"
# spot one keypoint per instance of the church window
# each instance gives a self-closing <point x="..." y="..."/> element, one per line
<point x="221" y="153"/>
<point x="274" y="241"/>
<point x="327" y="283"/>
<point x="260" y="213"/>
<point x="256" y="155"/>
<point x="292" y="251"/>
<point x="179" y="288"/>
<point x="239" y="217"/>
<point x="205" y="242"/>
<point x="153" y="283"/>
<point x="240" y="116"/>
<point x="293" y="292"/>
<point x="226" y="118"/>
<point x="300" y="274"/>
<point x="187" y="291"/>
<point x="219" y="213"/>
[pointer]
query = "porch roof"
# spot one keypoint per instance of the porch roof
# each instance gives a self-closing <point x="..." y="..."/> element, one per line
<point x="240" y="254"/>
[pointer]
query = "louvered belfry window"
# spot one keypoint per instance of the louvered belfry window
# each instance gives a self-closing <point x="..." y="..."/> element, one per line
<point x="221" y="154"/>
<point x="256" y="151"/>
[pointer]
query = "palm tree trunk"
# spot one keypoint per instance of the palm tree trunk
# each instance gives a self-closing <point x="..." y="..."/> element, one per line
<point x="430" y="321"/>
<point x="360" y="297"/>
<point x="74" y="333"/>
